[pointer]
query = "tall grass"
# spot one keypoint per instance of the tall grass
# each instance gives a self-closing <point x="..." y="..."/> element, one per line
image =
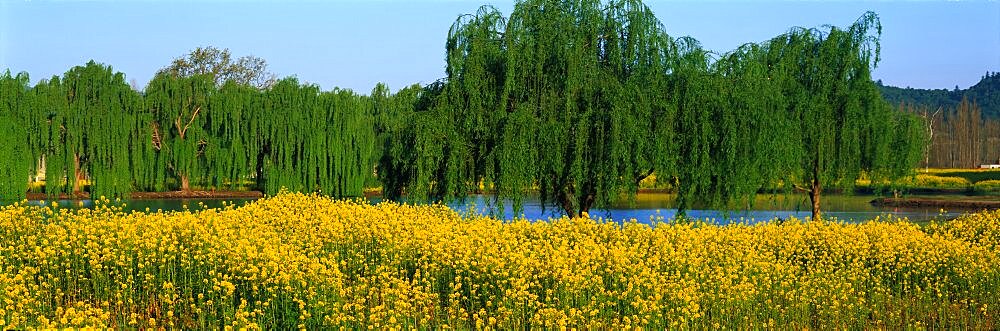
<point x="987" y="187"/>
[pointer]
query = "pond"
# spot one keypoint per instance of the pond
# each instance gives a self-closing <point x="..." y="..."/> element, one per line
<point x="652" y="207"/>
<point x="646" y="208"/>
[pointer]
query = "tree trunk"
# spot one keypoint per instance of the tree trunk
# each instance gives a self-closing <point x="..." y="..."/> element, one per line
<point x="567" y="205"/>
<point x="587" y="200"/>
<point x="77" y="175"/>
<point x="814" y="196"/>
<point x="814" y="192"/>
<point x="185" y="183"/>
<point x="585" y="205"/>
<point x="262" y="157"/>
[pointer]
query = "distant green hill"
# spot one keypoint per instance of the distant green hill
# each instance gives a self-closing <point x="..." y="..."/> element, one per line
<point x="986" y="93"/>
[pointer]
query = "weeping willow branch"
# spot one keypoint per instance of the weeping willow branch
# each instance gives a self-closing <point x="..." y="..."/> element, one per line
<point x="183" y="130"/>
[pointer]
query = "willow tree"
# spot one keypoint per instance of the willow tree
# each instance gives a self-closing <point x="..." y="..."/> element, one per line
<point x="16" y="162"/>
<point x="98" y="122"/>
<point x="315" y="141"/>
<point x="391" y="119"/>
<point x="437" y="140"/>
<point x="581" y="91"/>
<point x="563" y="96"/>
<point x="233" y="142"/>
<point x="178" y="106"/>
<point x="476" y="71"/>
<point x="50" y="101"/>
<point x="845" y="128"/>
<point x="424" y="153"/>
<point x="347" y="162"/>
<point x="288" y="105"/>
<point x="149" y="167"/>
<point x="205" y="124"/>
<point x="729" y="123"/>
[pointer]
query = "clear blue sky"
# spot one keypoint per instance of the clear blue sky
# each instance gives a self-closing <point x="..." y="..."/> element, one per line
<point x="355" y="44"/>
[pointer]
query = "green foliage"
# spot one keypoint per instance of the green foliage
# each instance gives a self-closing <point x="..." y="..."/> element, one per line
<point x="844" y="127"/>
<point x="220" y="66"/>
<point x="417" y="145"/>
<point x="179" y="125"/>
<point x="98" y="123"/>
<point x="50" y="100"/>
<point x="909" y="139"/>
<point x="561" y="97"/>
<point x="987" y="186"/>
<point x="16" y="162"/>
<point x="234" y="136"/>
<point x="581" y="100"/>
<point x="984" y="93"/>
<point x="316" y="141"/>
<point x="578" y="101"/>
<point x="184" y="132"/>
<point x="292" y="136"/>
<point x="733" y="140"/>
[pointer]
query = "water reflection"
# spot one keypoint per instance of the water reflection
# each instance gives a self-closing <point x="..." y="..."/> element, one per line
<point x="645" y="208"/>
<point x="651" y="207"/>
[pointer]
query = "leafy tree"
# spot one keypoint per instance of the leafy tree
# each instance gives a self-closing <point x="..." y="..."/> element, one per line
<point x="562" y="97"/>
<point x="845" y="128"/>
<point x="179" y="133"/>
<point x="582" y="100"/>
<point x="471" y="101"/>
<point x="729" y="130"/>
<point x="984" y="93"/>
<point x="234" y="140"/>
<point x="434" y="138"/>
<point x="50" y="100"/>
<point x="315" y="141"/>
<point x="220" y="66"/>
<point x="98" y="123"/>
<point x="16" y="161"/>
<point x="586" y="79"/>
<point x="198" y="107"/>
<point x="410" y="151"/>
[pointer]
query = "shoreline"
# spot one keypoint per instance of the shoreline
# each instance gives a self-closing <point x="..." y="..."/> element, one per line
<point x="967" y="202"/>
<point x="943" y="203"/>
<point x="169" y="195"/>
<point x="161" y="195"/>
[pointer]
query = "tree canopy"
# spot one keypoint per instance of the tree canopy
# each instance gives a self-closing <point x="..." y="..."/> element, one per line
<point x="575" y="101"/>
<point x="845" y="128"/>
<point x="89" y="130"/>
<point x="580" y="100"/>
<point x="90" y="118"/>
<point x="16" y="168"/>
<point x="220" y="67"/>
<point x="985" y="93"/>
<point x="557" y="98"/>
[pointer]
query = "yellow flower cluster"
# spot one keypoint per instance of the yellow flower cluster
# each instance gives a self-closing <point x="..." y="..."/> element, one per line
<point x="925" y="180"/>
<point x="298" y="261"/>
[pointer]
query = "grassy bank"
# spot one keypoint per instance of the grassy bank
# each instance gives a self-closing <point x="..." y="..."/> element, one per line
<point x="955" y="181"/>
<point x="301" y="261"/>
<point x="925" y="181"/>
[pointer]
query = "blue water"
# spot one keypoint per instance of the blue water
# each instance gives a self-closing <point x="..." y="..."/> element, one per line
<point x="843" y="208"/>
<point x="647" y="208"/>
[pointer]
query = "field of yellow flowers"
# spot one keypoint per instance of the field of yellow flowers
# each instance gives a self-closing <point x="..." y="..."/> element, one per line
<point x="304" y="261"/>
